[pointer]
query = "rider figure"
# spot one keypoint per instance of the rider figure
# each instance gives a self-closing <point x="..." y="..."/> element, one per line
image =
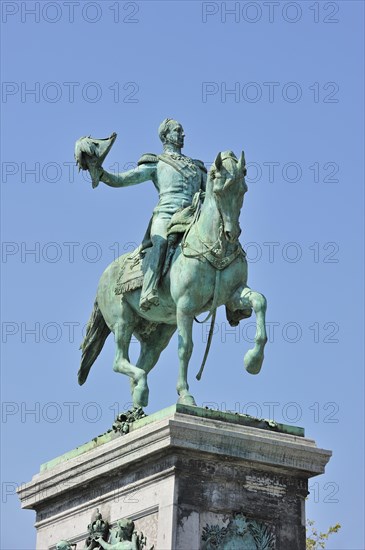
<point x="177" y="178"/>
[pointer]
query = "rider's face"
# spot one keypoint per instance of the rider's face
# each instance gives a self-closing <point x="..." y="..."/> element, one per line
<point x="176" y="135"/>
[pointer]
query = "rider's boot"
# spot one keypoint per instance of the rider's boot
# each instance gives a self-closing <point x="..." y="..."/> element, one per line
<point x="149" y="294"/>
<point x="149" y="299"/>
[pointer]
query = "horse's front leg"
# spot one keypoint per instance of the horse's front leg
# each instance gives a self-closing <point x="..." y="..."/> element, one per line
<point x="185" y="342"/>
<point x="254" y="357"/>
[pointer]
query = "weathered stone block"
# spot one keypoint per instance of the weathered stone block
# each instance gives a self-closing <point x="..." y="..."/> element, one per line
<point x="189" y="478"/>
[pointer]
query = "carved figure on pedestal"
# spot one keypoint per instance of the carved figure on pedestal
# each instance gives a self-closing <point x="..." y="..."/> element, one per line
<point x="124" y="538"/>
<point x="98" y="530"/>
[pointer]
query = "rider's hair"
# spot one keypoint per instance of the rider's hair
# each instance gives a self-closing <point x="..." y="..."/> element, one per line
<point x="164" y="128"/>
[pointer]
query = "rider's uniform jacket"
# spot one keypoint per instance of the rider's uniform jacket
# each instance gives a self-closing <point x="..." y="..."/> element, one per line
<point x="176" y="177"/>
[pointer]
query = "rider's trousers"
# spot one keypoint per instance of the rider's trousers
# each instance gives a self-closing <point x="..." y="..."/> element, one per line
<point x="157" y="253"/>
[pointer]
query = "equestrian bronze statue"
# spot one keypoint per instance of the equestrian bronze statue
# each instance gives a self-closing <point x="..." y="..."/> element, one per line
<point x="189" y="262"/>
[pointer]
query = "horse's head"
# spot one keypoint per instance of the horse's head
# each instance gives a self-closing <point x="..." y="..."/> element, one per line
<point x="227" y="178"/>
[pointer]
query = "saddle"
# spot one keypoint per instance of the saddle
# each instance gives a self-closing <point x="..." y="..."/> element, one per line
<point x="131" y="273"/>
<point x="132" y="267"/>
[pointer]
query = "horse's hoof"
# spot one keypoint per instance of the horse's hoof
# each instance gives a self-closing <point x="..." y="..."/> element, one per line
<point x="253" y="362"/>
<point x="186" y="400"/>
<point x="140" y="396"/>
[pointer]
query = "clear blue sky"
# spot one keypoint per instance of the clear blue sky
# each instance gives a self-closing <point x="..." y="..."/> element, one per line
<point x="295" y="70"/>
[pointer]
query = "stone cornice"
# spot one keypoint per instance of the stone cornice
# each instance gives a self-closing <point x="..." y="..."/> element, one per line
<point x="176" y="432"/>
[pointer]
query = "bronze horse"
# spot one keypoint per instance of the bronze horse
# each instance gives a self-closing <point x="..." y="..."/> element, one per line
<point x="208" y="269"/>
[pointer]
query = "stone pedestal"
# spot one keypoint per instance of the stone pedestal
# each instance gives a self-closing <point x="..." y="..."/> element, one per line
<point x="190" y="478"/>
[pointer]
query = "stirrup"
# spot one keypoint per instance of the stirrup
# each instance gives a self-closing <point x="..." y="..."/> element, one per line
<point x="151" y="299"/>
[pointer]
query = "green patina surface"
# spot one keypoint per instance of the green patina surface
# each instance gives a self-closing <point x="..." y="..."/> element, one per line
<point x="193" y="236"/>
<point x="229" y="417"/>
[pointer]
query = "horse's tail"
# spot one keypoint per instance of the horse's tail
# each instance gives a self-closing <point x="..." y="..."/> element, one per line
<point x="96" y="333"/>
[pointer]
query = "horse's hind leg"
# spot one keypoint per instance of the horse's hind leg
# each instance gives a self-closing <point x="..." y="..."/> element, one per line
<point x="152" y="347"/>
<point x="123" y="331"/>
<point x="248" y="299"/>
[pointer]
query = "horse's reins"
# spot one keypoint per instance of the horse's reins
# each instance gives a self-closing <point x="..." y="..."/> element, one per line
<point x="213" y="310"/>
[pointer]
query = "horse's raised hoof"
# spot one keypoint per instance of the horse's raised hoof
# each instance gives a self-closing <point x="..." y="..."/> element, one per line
<point x="187" y="399"/>
<point x="253" y="361"/>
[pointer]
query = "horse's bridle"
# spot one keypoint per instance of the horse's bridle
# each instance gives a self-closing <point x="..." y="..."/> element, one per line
<point x="217" y="247"/>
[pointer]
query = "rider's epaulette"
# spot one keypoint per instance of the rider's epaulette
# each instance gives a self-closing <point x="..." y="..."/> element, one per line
<point x="200" y="164"/>
<point x="147" y="157"/>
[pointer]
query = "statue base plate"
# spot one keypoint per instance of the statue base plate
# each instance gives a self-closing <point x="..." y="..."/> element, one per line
<point x="190" y="479"/>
